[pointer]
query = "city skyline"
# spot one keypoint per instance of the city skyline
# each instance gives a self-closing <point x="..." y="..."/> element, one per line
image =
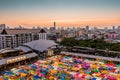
<point x="66" y="13"/>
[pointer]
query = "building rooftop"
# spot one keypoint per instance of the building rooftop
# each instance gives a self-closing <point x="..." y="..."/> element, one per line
<point x="42" y="31"/>
<point x="38" y="45"/>
<point x="3" y="31"/>
<point x="8" y="50"/>
<point x="24" y="48"/>
<point x="30" y="55"/>
<point x="20" y="31"/>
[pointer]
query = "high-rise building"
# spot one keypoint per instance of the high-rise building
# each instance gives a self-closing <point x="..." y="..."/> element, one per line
<point x="53" y="29"/>
<point x="54" y="25"/>
<point x="118" y="27"/>
<point x="87" y="28"/>
<point x="2" y="26"/>
<point x="113" y="27"/>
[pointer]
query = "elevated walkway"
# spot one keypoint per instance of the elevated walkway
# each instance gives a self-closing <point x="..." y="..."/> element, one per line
<point x="92" y="56"/>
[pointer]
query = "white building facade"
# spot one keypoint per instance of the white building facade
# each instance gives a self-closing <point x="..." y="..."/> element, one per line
<point x="42" y="34"/>
<point x="14" y="40"/>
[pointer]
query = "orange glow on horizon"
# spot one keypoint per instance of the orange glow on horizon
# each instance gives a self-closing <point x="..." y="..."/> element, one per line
<point x="29" y="23"/>
<point x="62" y="23"/>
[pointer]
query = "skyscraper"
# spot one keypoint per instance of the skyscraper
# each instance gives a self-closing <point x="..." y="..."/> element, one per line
<point x="113" y="27"/>
<point x="2" y="26"/>
<point x="54" y="25"/>
<point x="87" y="28"/>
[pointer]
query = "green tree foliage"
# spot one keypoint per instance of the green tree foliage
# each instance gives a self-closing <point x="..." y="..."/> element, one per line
<point x="115" y="47"/>
<point x="69" y="42"/>
<point x="97" y="43"/>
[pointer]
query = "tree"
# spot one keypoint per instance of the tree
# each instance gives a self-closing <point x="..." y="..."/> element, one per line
<point x="96" y="43"/>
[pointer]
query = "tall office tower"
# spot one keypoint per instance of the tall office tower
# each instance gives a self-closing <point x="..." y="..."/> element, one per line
<point x="87" y="28"/>
<point x="113" y="27"/>
<point x="118" y="27"/>
<point x="54" y="25"/>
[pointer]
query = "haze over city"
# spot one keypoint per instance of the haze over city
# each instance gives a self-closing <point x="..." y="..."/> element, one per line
<point x="66" y="13"/>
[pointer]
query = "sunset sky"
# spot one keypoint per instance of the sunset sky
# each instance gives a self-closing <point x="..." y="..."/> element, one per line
<point x="66" y="13"/>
